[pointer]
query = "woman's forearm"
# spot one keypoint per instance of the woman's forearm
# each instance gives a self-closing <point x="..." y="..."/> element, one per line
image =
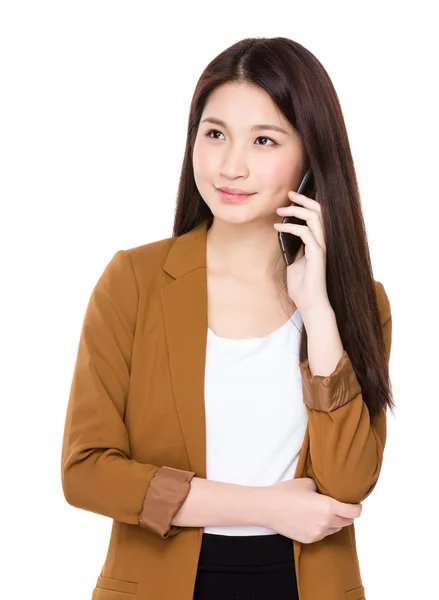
<point x="214" y="503"/>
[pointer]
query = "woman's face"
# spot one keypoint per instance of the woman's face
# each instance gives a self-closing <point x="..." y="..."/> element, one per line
<point x="264" y="161"/>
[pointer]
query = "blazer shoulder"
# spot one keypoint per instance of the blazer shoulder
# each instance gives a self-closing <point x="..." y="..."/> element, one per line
<point x="383" y="302"/>
<point x="151" y="250"/>
<point x="148" y="259"/>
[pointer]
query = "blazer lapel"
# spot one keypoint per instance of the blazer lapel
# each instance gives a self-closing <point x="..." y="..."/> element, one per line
<point x="184" y="305"/>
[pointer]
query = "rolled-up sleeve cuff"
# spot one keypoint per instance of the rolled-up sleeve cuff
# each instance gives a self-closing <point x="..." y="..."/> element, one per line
<point x="327" y="393"/>
<point x="166" y="494"/>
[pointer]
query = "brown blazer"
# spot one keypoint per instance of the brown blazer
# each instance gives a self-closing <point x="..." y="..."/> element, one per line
<point x="135" y="428"/>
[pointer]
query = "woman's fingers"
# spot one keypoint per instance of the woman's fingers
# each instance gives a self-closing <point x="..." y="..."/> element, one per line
<point x="310" y="212"/>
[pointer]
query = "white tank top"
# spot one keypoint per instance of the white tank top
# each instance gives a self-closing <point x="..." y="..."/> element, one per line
<point x="255" y="415"/>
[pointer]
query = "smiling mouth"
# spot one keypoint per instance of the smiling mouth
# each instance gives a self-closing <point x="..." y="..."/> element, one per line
<point x="229" y="197"/>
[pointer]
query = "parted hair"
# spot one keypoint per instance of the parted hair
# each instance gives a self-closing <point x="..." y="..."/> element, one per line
<point x="300" y="87"/>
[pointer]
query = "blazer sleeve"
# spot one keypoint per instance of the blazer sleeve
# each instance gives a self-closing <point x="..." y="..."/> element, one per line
<point x="97" y="471"/>
<point x="346" y="448"/>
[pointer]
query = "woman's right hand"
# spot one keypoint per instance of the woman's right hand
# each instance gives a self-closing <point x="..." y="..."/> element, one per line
<point x="298" y="511"/>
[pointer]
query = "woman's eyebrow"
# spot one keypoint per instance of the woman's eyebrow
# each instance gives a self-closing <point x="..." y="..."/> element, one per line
<point x="270" y="126"/>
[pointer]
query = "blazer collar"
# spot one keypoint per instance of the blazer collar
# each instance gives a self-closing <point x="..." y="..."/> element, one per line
<point x="188" y="251"/>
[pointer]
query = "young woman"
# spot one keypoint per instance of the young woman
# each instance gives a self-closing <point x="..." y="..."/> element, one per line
<point x="228" y="411"/>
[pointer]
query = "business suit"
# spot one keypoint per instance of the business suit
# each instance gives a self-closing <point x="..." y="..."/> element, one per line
<point x="135" y="430"/>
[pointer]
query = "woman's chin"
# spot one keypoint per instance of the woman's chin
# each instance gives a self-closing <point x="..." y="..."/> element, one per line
<point x="238" y="217"/>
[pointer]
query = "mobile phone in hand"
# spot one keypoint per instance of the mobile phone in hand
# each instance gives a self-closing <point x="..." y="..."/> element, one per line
<point x="289" y="242"/>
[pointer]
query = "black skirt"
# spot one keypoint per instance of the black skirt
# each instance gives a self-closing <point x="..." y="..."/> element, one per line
<point x="249" y="567"/>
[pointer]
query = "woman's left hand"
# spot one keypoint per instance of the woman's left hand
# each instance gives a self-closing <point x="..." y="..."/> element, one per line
<point x="306" y="276"/>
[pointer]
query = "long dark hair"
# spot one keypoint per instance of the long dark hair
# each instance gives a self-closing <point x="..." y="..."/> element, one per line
<point x="300" y="87"/>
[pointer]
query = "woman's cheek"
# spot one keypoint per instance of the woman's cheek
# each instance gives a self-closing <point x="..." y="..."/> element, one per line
<point x="283" y="171"/>
<point x="202" y="158"/>
<point x="275" y="174"/>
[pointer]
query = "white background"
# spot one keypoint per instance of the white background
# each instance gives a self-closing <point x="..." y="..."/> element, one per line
<point x="93" y="113"/>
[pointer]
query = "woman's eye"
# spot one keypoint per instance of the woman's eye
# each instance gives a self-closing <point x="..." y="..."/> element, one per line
<point x="261" y="137"/>
<point x="212" y="131"/>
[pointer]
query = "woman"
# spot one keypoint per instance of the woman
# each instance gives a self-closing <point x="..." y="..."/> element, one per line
<point x="226" y="411"/>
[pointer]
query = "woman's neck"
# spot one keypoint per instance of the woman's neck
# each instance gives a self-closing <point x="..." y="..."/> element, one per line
<point x="248" y="251"/>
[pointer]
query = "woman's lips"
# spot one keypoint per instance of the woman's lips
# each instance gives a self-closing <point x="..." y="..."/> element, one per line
<point x="233" y="197"/>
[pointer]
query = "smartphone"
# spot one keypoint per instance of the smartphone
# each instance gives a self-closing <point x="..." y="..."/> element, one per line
<point x="289" y="242"/>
